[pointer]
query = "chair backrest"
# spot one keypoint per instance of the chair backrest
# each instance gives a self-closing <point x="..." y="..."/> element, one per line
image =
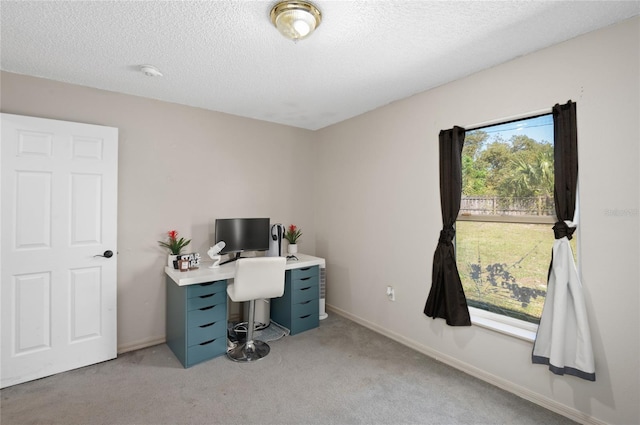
<point x="259" y="277"/>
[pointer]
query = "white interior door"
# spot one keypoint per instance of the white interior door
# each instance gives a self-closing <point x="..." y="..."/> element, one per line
<point x="58" y="215"/>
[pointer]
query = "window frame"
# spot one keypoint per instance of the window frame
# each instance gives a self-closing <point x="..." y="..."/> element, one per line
<point x="497" y="322"/>
<point x="504" y="324"/>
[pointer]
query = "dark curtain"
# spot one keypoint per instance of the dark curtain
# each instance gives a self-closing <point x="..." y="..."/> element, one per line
<point x="565" y="158"/>
<point x="563" y="340"/>
<point x="446" y="299"/>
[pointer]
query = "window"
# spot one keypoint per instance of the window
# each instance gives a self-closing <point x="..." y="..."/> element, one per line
<point x="504" y="233"/>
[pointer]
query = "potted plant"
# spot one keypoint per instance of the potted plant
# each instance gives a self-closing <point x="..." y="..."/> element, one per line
<point x="175" y="246"/>
<point x="292" y="235"/>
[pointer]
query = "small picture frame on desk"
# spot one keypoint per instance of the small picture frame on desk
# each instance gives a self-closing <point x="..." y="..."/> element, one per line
<point x="193" y="259"/>
<point x="183" y="265"/>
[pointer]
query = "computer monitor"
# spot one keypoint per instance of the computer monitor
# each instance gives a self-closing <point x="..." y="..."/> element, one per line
<point x="242" y="234"/>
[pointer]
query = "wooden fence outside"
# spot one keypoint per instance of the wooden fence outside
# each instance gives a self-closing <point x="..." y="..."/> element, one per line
<point x="496" y="205"/>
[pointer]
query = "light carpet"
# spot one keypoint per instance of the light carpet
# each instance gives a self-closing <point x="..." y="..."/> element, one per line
<point x="339" y="373"/>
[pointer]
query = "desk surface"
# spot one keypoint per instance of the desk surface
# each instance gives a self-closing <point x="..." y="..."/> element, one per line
<point x="228" y="271"/>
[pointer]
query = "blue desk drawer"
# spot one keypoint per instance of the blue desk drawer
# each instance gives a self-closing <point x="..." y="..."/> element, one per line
<point x="206" y="350"/>
<point x="304" y="323"/>
<point x="306" y="293"/>
<point x="206" y="288"/>
<point x="206" y="332"/>
<point x="298" y="309"/>
<point x="305" y="308"/>
<point x="305" y="272"/>
<point x="196" y="320"/>
<point x="206" y="315"/>
<point x="206" y="300"/>
<point x="304" y="281"/>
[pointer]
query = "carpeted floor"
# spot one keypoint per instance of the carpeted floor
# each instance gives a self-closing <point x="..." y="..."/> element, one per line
<point x="340" y="373"/>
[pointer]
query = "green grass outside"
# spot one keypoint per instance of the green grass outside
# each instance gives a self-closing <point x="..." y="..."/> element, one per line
<point x="504" y="266"/>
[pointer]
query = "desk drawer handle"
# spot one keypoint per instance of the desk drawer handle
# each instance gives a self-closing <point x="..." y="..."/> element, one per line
<point x="207" y="308"/>
<point x="304" y="317"/>
<point x="207" y="284"/>
<point x="305" y="268"/>
<point x="207" y="342"/>
<point x="206" y="296"/>
<point x="305" y="278"/>
<point x="207" y="325"/>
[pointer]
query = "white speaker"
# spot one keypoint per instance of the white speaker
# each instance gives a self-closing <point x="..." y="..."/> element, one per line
<point x="323" y="291"/>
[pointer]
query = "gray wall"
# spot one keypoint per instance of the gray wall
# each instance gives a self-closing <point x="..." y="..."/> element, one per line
<point x="378" y="216"/>
<point x="365" y="193"/>
<point x="178" y="168"/>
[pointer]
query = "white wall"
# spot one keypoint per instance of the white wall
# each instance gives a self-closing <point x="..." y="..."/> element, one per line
<point x="378" y="216"/>
<point x="179" y="168"/>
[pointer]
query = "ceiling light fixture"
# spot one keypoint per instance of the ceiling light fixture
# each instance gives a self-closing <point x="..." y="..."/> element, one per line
<point x="295" y="20"/>
<point x="150" y="71"/>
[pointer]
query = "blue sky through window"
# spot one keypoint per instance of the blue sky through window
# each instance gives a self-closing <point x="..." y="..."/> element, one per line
<point x="538" y="128"/>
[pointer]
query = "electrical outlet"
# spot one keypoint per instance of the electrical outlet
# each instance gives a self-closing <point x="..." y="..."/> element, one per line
<point x="391" y="293"/>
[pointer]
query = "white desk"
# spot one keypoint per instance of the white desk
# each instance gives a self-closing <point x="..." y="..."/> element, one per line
<point x="228" y="271"/>
<point x="196" y="319"/>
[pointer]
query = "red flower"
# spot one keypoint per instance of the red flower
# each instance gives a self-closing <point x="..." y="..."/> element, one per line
<point x="292" y="234"/>
<point x="174" y="245"/>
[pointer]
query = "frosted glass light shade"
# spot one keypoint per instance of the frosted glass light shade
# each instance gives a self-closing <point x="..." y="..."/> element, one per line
<point x="295" y="20"/>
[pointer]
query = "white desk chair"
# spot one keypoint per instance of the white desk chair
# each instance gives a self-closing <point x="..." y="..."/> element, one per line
<point x="256" y="278"/>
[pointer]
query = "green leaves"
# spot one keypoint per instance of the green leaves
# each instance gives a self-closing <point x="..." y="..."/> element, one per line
<point x="519" y="167"/>
<point x="174" y="245"/>
<point x="292" y="234"/>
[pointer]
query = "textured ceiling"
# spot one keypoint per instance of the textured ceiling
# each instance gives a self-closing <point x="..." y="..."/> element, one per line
<point x="226" y="56"/>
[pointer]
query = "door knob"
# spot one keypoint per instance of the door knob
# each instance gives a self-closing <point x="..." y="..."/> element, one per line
<point x="106" y="254"/>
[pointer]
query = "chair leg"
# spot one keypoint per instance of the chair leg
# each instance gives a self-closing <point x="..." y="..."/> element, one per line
<point x="250" y="350"/>
<point x="260" y="317"/>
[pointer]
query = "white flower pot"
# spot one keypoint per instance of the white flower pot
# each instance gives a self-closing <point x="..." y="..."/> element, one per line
<point x="293" y="248"/>
<point x="171" y="259"/>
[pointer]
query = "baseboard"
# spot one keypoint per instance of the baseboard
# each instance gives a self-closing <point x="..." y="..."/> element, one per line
<point x="149" y="342"/>
<point x="525" y="393"/>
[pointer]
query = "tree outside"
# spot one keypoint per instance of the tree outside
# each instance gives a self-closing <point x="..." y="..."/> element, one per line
<point x="503" y="265"/>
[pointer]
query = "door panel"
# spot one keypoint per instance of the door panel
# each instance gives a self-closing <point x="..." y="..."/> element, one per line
<point x="58" y="214"/>
<point x="32" y="313"/>
<point x="33" y="210"/>
<point x="86" y="287"/>
<point x="86" y="199"/>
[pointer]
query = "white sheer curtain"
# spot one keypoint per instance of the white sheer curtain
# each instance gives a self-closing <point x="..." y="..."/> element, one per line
<point x="563" y="341"/>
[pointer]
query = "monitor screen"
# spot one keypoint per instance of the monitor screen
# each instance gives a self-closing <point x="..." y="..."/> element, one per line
<point x="243" y="234"/>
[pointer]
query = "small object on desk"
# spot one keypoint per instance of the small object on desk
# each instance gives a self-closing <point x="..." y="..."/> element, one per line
<point x="193" y="259"/>
<point x="214" y="254"/>
<point x="216" y="261"/>
<point x="183" y="265"/>
<point x="292" y="248"/>
<point x="275" y="244"/>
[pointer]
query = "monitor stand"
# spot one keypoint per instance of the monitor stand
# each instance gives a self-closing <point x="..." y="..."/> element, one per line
<point x="234" y="258"/>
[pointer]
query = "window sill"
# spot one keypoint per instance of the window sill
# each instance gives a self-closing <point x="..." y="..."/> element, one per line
<point x="512" y="327"/>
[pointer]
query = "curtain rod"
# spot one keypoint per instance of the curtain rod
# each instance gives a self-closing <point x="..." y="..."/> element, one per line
<point x="507" y="120"/>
